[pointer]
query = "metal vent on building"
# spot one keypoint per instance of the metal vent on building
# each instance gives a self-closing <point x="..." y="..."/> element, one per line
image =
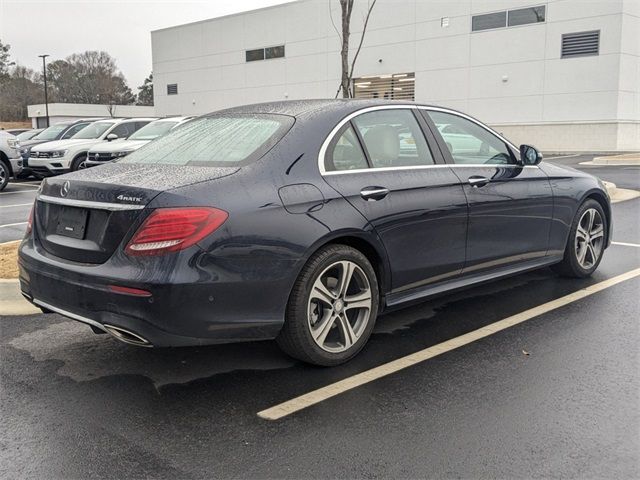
<point x="580" y="44"/>
<point x="172" y="89"/>
<point x="397" y="86"/>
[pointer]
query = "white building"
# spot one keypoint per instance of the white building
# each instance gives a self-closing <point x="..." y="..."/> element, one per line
<point x="61" y="112"/>
<point x="561" y="74"/>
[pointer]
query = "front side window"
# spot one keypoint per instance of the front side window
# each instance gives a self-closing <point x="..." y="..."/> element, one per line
<point x="215" y="141"/>
<point x="468" y="142"/>
<point x="93" y="130"/>
<point x="73" y="130"/>
<point x="124" y="129"/>
<point x="393" y="138"/>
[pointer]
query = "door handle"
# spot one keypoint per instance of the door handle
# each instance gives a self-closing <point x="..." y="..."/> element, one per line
<point x="478" y="181"/>
<point x="374" y="193"/>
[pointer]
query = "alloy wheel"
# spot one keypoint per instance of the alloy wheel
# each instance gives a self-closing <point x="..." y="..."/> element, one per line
<point x="3" y="173"/>
<point x="589" y="238"/>
<point x="339" y="306"/>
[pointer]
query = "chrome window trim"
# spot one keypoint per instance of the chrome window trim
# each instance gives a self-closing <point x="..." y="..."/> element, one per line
<point x="88" y="203"/>
<point x="348" y="118"/>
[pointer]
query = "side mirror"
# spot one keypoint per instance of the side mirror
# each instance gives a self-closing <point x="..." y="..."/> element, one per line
<point x="530" y="155"/>
<point x="111" y="136"/>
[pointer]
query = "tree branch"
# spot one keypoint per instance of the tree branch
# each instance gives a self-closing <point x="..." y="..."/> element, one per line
<point x="364" y="30"/>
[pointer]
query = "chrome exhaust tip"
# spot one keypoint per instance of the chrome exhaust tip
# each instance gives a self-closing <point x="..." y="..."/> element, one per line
<point x="126" y="336"/>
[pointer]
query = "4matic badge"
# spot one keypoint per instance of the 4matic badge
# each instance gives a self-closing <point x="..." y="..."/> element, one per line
<point x="126" y="198"/>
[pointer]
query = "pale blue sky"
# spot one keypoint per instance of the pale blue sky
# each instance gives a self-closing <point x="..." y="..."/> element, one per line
<point x="119" y="27"/>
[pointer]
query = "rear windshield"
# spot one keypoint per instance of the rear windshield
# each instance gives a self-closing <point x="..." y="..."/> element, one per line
<point x="215" y="141"/>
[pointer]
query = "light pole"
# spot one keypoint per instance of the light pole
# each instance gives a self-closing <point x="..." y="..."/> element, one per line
<point x="46" y="98"/>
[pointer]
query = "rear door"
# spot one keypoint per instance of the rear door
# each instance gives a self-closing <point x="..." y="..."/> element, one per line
<point x="510" y="205"/>
<point x="381" y="162"/>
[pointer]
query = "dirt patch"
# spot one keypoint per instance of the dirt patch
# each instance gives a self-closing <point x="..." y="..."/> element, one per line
<point x="9" y="260"/>
<point x="8" y="125"/>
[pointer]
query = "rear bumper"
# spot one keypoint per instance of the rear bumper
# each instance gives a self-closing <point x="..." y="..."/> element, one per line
<point x="175" y="314"/>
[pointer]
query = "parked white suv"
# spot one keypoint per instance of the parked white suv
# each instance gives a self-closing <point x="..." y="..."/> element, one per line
<point x="61" y="156"/>
<point x="106" y="152"/>
<point x="10" y="158"/>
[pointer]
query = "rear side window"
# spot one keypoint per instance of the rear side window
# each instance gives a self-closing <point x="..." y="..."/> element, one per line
<point x="345" y="153"/>
<point x="393" y="138"/>
<point x="216" y="141"/>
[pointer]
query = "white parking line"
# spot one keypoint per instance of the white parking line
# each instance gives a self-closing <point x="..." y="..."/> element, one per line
<point x="16" y="205"/>
<point x="625" y="244"/>
<point x="561" y="156"/>
<point x="12" y="224"/>
<point x="324" y="393"/>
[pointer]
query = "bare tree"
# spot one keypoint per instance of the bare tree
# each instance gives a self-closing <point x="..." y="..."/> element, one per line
<point x="346" y="7"/>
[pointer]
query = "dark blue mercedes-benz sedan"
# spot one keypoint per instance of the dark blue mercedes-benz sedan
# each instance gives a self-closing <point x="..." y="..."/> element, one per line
<point x="302" y="221"/>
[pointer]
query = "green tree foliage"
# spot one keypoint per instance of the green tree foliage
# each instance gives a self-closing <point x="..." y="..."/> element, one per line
<point x="145" y="92"/>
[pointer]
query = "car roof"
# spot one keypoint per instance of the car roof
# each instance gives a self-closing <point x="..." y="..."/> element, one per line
<point x="298" y="108"/>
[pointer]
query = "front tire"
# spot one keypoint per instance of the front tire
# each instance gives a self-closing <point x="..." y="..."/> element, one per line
<point x="586" y="242"/>
<point x="79" y="163"/>
<point x="332" y="308"/>
<point x="4" y="174"/>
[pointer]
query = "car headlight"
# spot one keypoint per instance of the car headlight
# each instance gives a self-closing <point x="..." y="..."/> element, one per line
<point x="121" y="154"/>
<point x="58" y="153"/>
<point x="13" y="143"/>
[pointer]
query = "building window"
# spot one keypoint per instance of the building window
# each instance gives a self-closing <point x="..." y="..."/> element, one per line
<point x="523" y="16"/>
<point x="172" y="89"/>
<point x="274" y="52"/>
<point x="264" y="53"/>
<point x="488" y="21"/>
<point x="254" y="55"/>
<point x="398" y="86"/>
<point x="580" y="44"/>
<point x="510" y="18"/>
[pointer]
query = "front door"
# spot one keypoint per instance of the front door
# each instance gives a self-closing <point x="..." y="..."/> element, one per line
<point x="510" y="205"/>
<point x="381" y="163"/>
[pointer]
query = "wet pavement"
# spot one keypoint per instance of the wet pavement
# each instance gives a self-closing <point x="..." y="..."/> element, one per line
<point x="76" y="405"/>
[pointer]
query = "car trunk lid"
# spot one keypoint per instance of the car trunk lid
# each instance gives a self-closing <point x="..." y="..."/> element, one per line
<point x="84" y="217"/>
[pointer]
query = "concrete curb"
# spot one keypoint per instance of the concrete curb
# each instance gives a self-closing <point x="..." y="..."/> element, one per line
<point x="629" y="159"/>
<point x="11" y="300"/>
<point x="620" y="194"/>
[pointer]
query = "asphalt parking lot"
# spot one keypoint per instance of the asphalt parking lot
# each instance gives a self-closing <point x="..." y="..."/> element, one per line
<point x="556" y="395"/>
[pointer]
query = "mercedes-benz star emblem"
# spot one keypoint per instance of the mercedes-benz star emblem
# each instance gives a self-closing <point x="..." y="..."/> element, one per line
<point x="64" y="190"/>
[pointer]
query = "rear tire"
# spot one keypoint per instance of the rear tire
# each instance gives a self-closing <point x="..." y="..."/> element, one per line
<point x="586" y="242"/>
<point x="332" y="308"/>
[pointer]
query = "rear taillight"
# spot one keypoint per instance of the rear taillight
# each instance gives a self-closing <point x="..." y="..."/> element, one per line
<point x="30" y="222"/>
<point x="172" y="229"/>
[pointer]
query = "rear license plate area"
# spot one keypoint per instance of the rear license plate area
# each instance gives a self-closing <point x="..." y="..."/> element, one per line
<point x="72" y="222"/>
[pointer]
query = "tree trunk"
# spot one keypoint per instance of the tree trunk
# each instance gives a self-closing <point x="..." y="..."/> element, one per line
<point x="345" y="83"/>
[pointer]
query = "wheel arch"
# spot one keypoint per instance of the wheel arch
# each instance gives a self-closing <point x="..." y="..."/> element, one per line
<point x="600" y="197"/>
<point x="366" y="243"/>
<point x="4" y="159"/>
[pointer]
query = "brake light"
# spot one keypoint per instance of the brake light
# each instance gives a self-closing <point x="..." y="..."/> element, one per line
<point x="30" y="222"/>
<point x="173" y="229"/>
<point x="136" y="292"/>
